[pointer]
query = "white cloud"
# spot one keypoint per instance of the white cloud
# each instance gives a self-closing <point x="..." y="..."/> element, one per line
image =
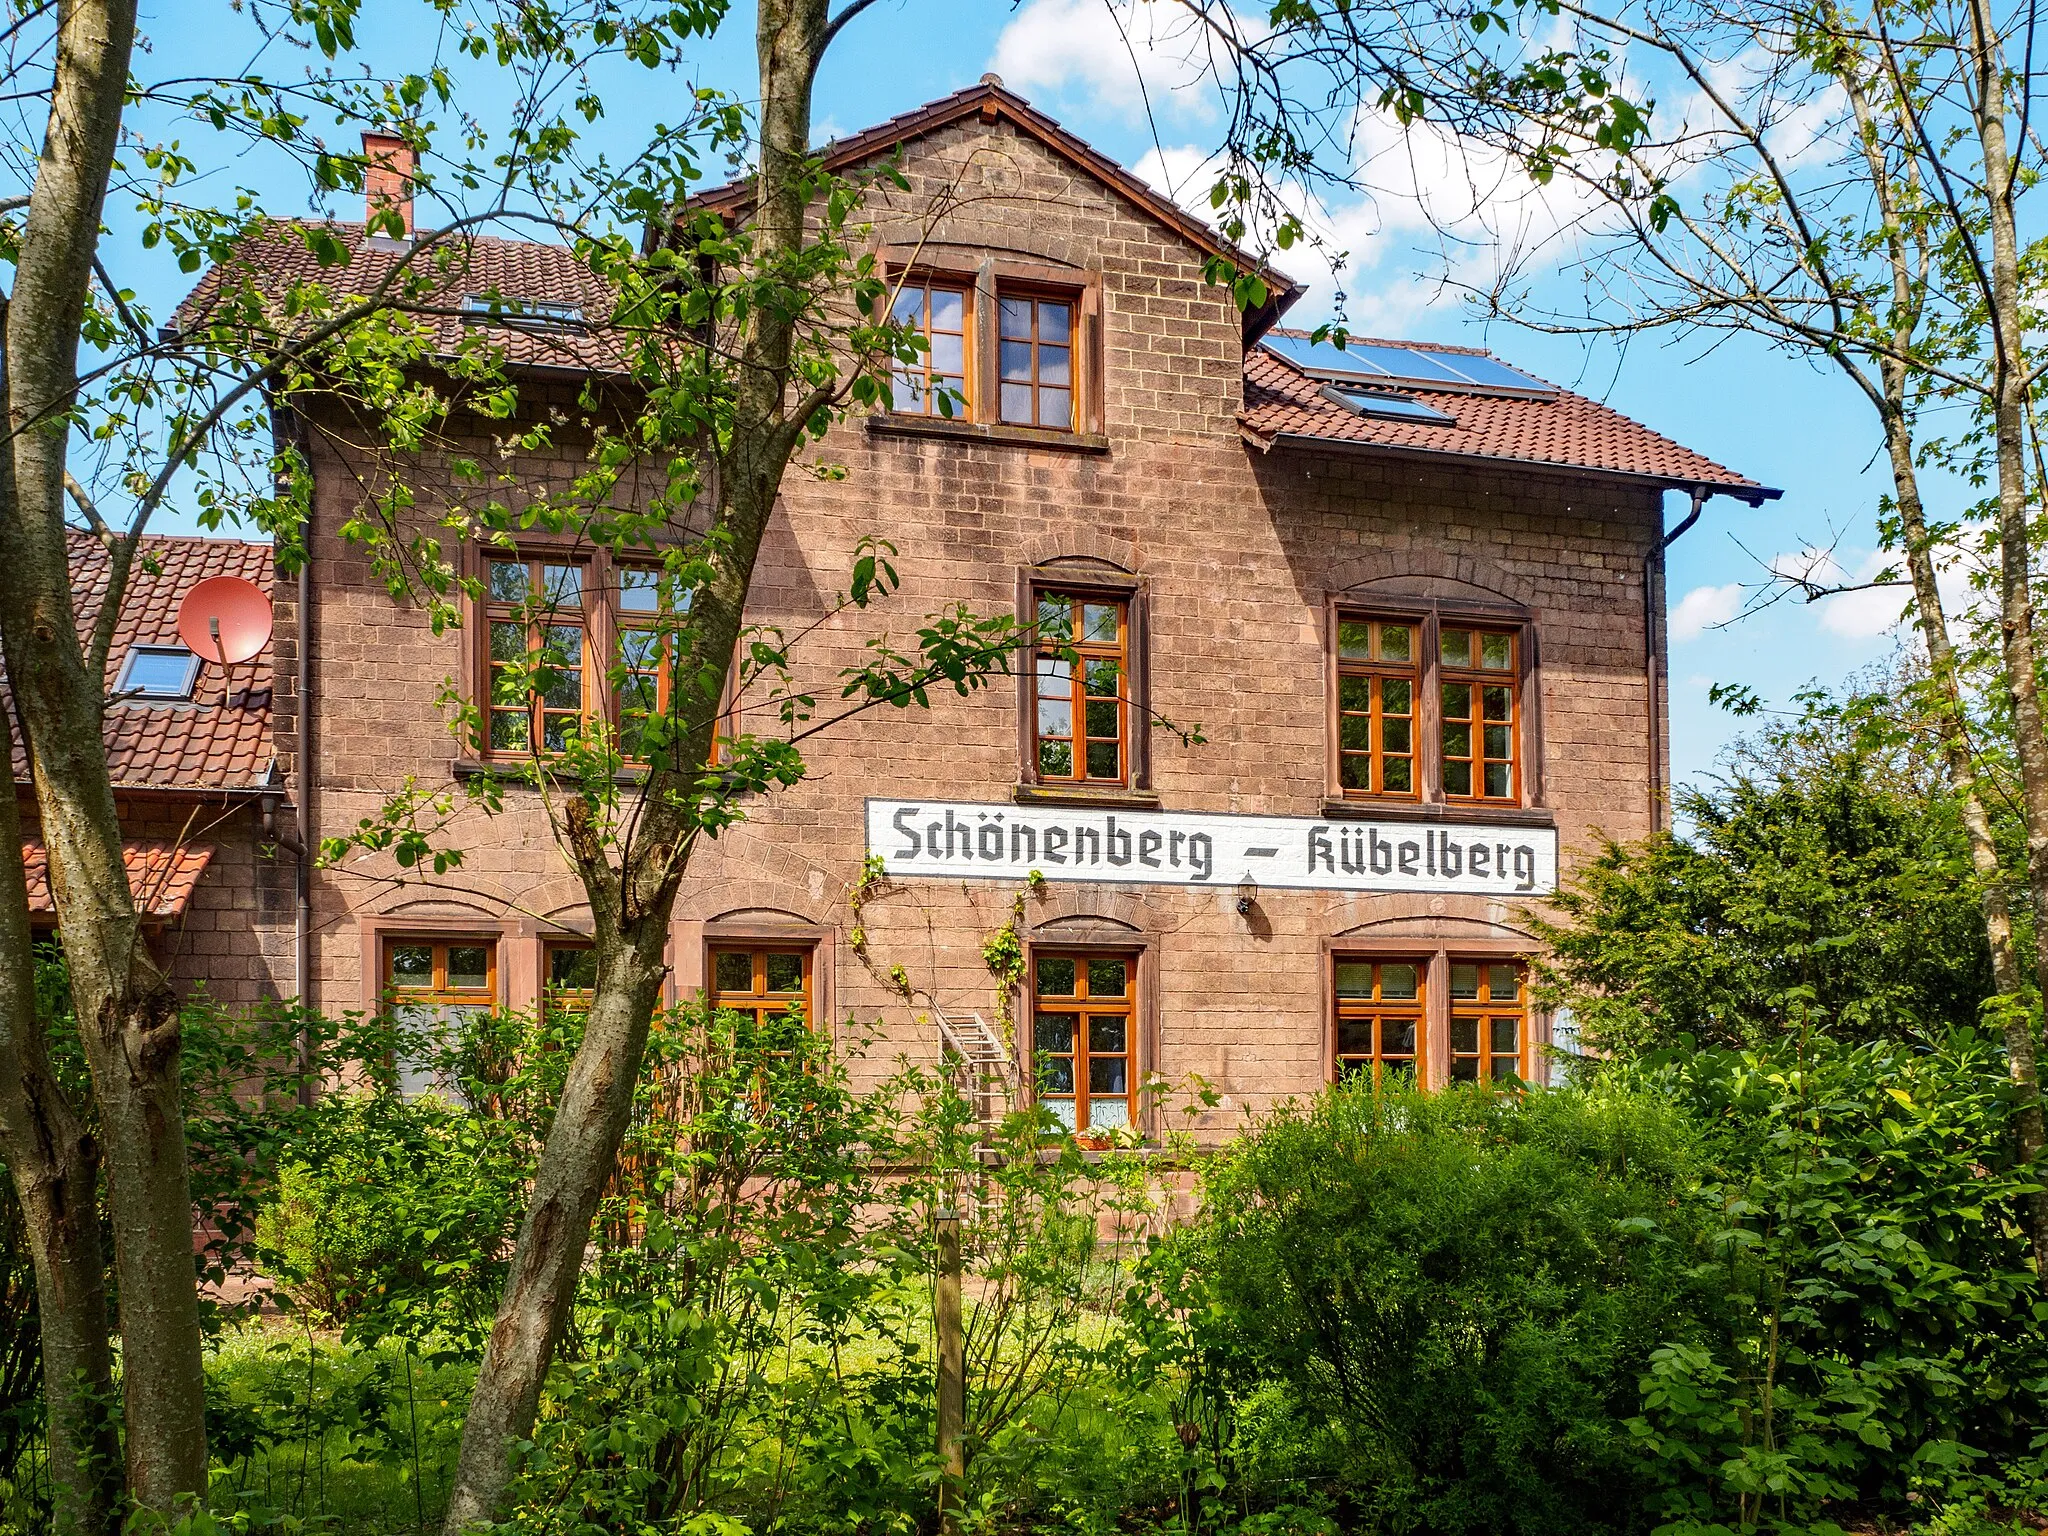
<point x="1704" y="607"/>
<point x="1114" y="58"/>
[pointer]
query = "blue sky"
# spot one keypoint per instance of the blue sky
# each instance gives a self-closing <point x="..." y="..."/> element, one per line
<point x="1777" y="419"/>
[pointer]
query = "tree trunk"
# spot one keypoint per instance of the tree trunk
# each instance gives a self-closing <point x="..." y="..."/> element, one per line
<point x="127" y="1012"/>
<point x="55" y="1168"/>
<point x="2015" y="556"/>
<point x="631" y="906"/>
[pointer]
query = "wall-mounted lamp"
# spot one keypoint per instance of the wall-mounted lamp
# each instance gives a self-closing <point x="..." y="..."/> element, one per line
<point x="1247" y="893"/>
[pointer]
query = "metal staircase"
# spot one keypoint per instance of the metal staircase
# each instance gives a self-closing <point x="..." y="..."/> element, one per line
<point x="984" y="1065"/>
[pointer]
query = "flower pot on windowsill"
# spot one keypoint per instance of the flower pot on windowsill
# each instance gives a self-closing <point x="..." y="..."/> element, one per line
<point x="1094" y="1141"/>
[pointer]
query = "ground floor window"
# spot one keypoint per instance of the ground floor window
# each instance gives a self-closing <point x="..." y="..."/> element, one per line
<point x="1084" y="1024"/>
<point x="1489" y="1020"/>
<point x="768" y="982"/>
<point x="435" y="985"/>
<point x="1380" y="1017"/>
<point x="568" y="974"/>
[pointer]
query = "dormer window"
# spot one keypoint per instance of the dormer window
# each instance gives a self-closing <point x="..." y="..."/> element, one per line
<point x="525" y="314"/>
<point x="159" y="673"/>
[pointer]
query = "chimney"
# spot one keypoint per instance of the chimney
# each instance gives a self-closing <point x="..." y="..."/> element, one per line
<point x="387" y="177"/>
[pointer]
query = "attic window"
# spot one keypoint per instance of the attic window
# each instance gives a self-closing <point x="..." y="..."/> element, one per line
<point x="1377" y="402"/>
<point x="161" y="672"/>
<point x="527" y="314"/>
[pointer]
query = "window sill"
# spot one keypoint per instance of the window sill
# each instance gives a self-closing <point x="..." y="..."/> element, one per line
<point x="1409" y="810"/>
<point x="1117" y="799"/>
<point x="515" y="773"/>
<point x="987" y="432"/>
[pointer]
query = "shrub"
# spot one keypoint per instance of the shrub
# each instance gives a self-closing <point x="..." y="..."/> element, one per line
<point x="1439" y="1306"/>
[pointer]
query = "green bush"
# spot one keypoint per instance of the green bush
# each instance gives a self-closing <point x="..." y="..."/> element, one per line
<point x="1438" y="1308"/>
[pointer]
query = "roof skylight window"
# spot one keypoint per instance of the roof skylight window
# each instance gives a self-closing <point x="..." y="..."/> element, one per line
<point x="162" y="673"/>
<point x="531" y="314"/>
<point x="1379" y="402"/>
<point x="1371" y="362"/>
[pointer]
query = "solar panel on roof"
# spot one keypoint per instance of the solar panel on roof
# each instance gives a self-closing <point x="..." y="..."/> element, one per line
<point x="1383" y="362"/>
<point x="1378" y="402"/>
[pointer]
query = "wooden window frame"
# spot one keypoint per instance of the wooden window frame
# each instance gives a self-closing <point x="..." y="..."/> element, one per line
<point x="1481" y="1011"/>
<point x="1430" y="617"/>
<point x="494" y="611"/>
<point x="1478" y="679"/>
<point x="1036" y="294"/>
<point x="759" y="949"/>
<point x="1094" y="584"/>
<point x="985" y="282"/>
<point x="1377" y="671"/>
<point x="1376" y="1011"/>
<point x="926" y="279"/>
<point x="1081" y="738"/>
<point x="576" y="999"/>
<point x="1132" y="1007"/>
<point x="439" y="992"/>
<point x="1438" y="952"/>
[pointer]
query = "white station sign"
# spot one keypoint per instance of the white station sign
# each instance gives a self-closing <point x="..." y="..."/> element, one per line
<point x="935" y="839"/>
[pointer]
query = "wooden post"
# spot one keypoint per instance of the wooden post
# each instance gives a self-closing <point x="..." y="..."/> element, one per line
<point x="950" y="1345"/>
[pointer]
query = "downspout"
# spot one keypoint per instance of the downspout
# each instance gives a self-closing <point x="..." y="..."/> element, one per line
<point x="288" y="433"/>
<point x="1653" y="590"/>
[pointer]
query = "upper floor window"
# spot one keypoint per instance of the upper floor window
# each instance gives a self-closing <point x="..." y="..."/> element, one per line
<point x="1037" y="358"/>
<point x="1429" y="706"/>
<point x="537" y="681"/>
<point x="1082" y="716"/>
<point x="937" y="383"/>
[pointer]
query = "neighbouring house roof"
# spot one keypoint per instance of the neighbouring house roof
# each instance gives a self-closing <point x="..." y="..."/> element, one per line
<point x="1284" y="406"/>
<point x="453" y="269"/>
<point x="991" y="103"/>
<point x="221" y="739"/>
<point x="161" y="875"/>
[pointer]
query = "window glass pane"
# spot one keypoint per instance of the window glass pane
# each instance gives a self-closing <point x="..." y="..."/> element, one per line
<point x="1394" y="736"/>
<point x="1498" y="703"/>
<point x="1465" y="1035"/>
<point x="1457" y="778"/>
<point x="1464" y="980"/>
<point x="159" y="672"/>
<point x="508" y="642"/>
<point x="1055" y="619"/>
<point x="1056" y="759"/>
<point x="1055" y="976"/>
<point x="785" y="973"/>
<point x="556" y="732"/>
<point x="1398" y="981"/>
<point x="1106" y="1033"/>
<point x="1108" y="978"/>
<point x="1052" y="367"/>
<point x="640" y="648"/>
<point x="508" y="581"/>
<point x="1397" y="695"/>
<point x="1504" y="1033"/>
<point x="1457" y="701"/>
<point x="1503" y="1068"/>
<point x="468" y="967"/>
<point x="1108" y="1074"/>
<point x="1354" y="978"/>
<point x="562" y="583"/>
<point x="1397" y="1037"/>
<point x="1055" y="1031"/>
<point x="949" y="355"/>
<point x="1457" y="740"/>
<point x="412" y="965"/>
<point x="1108" y="1114"/>
<point x="1465" y="1071"/>
<point x="909" y="306"/>
<point x="1496" y="652"/>
<point x="1101" y="622"/>
<point x="510" y="730"/>
<point x="1399" y="775"/>
<point x="1395" y="642"/>
<point x="1503" y="982"/>
<point x="1354" y="694"/>
<point x="1456" y="647"/>
<point x="1016" y="317"/>
<point x="1499" y="781"/>
<point x="572" y="969"/>
<point x="1101" y="677"/>
<point x="1356" y="771"/>
<point x="1102" y="715"/>
<point x="1496" y="740"/>
<point x="1055" y="322"/>
<point x="1055" y="717"/>
<point x="1354" y="639"/>
<point x="734" y="971"/>
<point x="1056" y="1076"/>
<point x="1354" y="1037"/>
<point x="1104" y="760"/>
<point x="1054" y="675"/>
<point x="1017" y="404"/>
<point x="947" y="308"/>
<point x="1354" y="733"/>
<point x="1056" y="409"/>
<point x="1016" y="363"/>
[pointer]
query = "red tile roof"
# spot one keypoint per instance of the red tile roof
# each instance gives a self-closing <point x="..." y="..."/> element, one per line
<point x="1283" y="405"/>
<point x="162" y="875"/>
<point x="221" y="739"/>
<point x="448" y="268"/>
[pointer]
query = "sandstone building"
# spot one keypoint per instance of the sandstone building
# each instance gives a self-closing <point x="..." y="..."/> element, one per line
<point x="1411" y="596"/>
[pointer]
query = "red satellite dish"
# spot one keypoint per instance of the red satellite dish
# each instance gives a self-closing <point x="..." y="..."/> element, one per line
<point x="224" y="619"/>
